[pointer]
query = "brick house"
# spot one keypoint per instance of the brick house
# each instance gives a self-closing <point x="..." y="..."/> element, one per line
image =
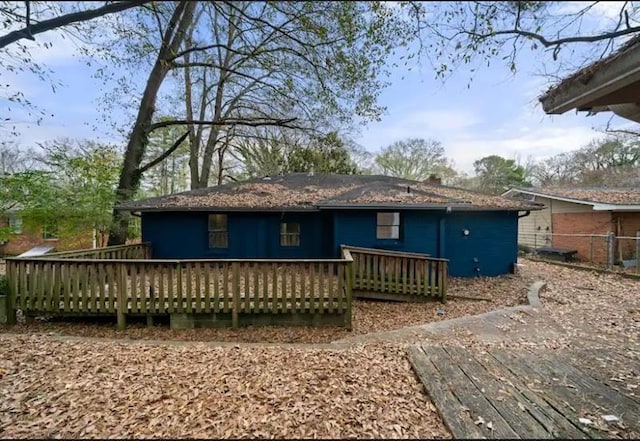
<point x="30" y="234"/>
<point x="581" y="212"/>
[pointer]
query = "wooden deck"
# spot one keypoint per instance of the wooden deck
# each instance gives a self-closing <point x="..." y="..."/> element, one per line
<point x="502" y="393"/>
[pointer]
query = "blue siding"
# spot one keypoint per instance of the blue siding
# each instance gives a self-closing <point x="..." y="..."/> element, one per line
<point x="490" y="249"/>
<point x="418" y="231"/>
<point x="184" y="235"/>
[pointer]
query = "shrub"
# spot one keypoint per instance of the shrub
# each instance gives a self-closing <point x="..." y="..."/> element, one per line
<point x="4" y="287"/>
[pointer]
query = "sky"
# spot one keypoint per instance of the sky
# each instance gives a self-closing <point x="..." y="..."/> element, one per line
<point x="498" y="114"/>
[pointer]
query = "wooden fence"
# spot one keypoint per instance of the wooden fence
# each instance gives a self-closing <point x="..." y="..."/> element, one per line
<point x="93" y="285"/>
<point x="131" y="251"/>
<point x="397" y="275"/>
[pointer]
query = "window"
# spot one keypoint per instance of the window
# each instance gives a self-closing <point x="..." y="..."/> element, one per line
<point x="50" y="230"/>
<point x="218" y="233"/>
<point x="388" y="226"/>
<point x="15" y="224"/>
<point x="290" y="234"/>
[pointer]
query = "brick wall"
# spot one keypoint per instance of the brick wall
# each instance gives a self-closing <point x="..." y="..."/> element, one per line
<point x="586" y="223"/>
<point x="629" y="226"/>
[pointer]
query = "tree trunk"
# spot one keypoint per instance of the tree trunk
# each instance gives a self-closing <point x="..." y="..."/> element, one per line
<point x="130" y="175"/>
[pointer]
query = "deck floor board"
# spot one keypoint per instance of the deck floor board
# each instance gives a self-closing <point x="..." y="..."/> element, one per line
<point x="508" y="393"/>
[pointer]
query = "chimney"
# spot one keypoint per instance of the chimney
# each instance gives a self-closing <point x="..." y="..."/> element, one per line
<point x="433" y="180"/>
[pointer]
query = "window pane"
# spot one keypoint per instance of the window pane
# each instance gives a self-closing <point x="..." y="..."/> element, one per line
<point x="15" y="223"/>
<point x="289" y="228"/>
<point x="289" y="234"/>
<point x="388" y="232"/>
<point x="290" y="240"/>
<point x="217" y="222"/>
<point x="389" y="218"/>
<point x="218" y="239"/>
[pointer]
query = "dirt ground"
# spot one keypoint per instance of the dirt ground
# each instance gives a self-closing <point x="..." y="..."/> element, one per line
<point x="124" y="388"/>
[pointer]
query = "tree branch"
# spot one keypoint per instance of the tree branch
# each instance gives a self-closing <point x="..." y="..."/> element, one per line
<point x="46" y="25"/>
<point x="165" y="155"/>
<point x="560" y="41"/>
<point x="249" y="122"/>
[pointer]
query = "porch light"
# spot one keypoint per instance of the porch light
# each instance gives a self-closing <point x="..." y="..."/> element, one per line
<point x="465" y="232"/>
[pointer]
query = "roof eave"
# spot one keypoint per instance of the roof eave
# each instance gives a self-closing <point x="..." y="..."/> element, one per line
<point x="580" y="91"/>
<point x="551" y="196"/>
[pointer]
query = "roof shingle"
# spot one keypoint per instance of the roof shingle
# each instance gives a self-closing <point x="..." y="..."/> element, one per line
<point x="601" y="195"/>
<point x="303" y="191"/>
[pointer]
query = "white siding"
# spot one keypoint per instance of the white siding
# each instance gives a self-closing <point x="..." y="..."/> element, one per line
<point x="535" y="230"/>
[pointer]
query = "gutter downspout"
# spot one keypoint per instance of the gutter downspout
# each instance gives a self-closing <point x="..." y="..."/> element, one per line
<point x="526" y="213"/>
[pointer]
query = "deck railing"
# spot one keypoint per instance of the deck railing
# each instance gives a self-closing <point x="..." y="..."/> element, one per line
<point x="408" y="276"/>
<point x="89" y="285"/>
<point x="131" y="251"/>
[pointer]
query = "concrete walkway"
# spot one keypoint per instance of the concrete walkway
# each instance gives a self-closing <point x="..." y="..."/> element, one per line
<point x="514" y="323"/>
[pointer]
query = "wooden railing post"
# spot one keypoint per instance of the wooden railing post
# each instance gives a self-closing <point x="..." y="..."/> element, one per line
<point x="11" y="293"/>
<point x="122" y="306"/>
<point x="235" y="287"/>
<point x="445" y="278"/>
<point x="349" y="275"/>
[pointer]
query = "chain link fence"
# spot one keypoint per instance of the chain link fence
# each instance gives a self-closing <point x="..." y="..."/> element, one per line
<point x="600" y="250"/>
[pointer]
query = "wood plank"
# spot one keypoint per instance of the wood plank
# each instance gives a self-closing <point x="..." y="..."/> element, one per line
<point x="322" y="283"/>
<point x="433" y="289"/>
<point x="207" y="287"/>
<point x="469" y="395"/>
<point x="152" y="291"/>
<point x="217" y="306"/>
<point x="171" y="283"/>
<point x="506" y="399"/>
<point x="187" y="295"/>
<point x="553" y="397"/>
<point x="199" y="277"/>
<point x="265" y="287"/>
<point x="588" y="390"/>
<point x="236" y="294"/>
<point x="180" y="288"/>
<point x="295" y="270"/>
<point x="312" y="295"/>
<point x="341" y="295"/>
<point x="23" y="290"/>
<point x="133" y="283"/>
<point x="383" y="273"/>
<point x="276" y="306"/>
<point x="560" y="426"/>
<point x="247" y="287"/>
<point x="111" y="279"/>
<point x="101" y="294"/>
<point x="255" y="272"/>
<point x="77" y="292"/>
<point x="376" y="273"/>
<point x="226" y="291"/>
<point x="447" y="404"/>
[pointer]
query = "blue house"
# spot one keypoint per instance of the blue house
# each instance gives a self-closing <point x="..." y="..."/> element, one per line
<point x="298" y="216"/>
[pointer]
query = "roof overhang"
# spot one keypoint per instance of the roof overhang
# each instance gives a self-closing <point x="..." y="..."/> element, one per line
<point x="597" y="206"/>
<point x="612" y="84"/>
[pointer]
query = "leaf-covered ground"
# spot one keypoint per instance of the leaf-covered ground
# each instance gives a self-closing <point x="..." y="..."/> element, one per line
<point x="52" y="387"/>
<point x="81" y="389"/>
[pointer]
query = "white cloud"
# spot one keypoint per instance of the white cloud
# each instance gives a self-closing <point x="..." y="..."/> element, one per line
<point x="609" y="10"/>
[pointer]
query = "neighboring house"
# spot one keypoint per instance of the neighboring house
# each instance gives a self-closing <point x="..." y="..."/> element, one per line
<point x="593" y="211"/>
<point x="27" y="235"/>
<point x="611" y="84"/>
<point x="303" y="216"/>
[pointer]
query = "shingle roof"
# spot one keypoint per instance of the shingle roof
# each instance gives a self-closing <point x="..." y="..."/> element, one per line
<point x="297" y="191"/>
<point x="601" y="195"/>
